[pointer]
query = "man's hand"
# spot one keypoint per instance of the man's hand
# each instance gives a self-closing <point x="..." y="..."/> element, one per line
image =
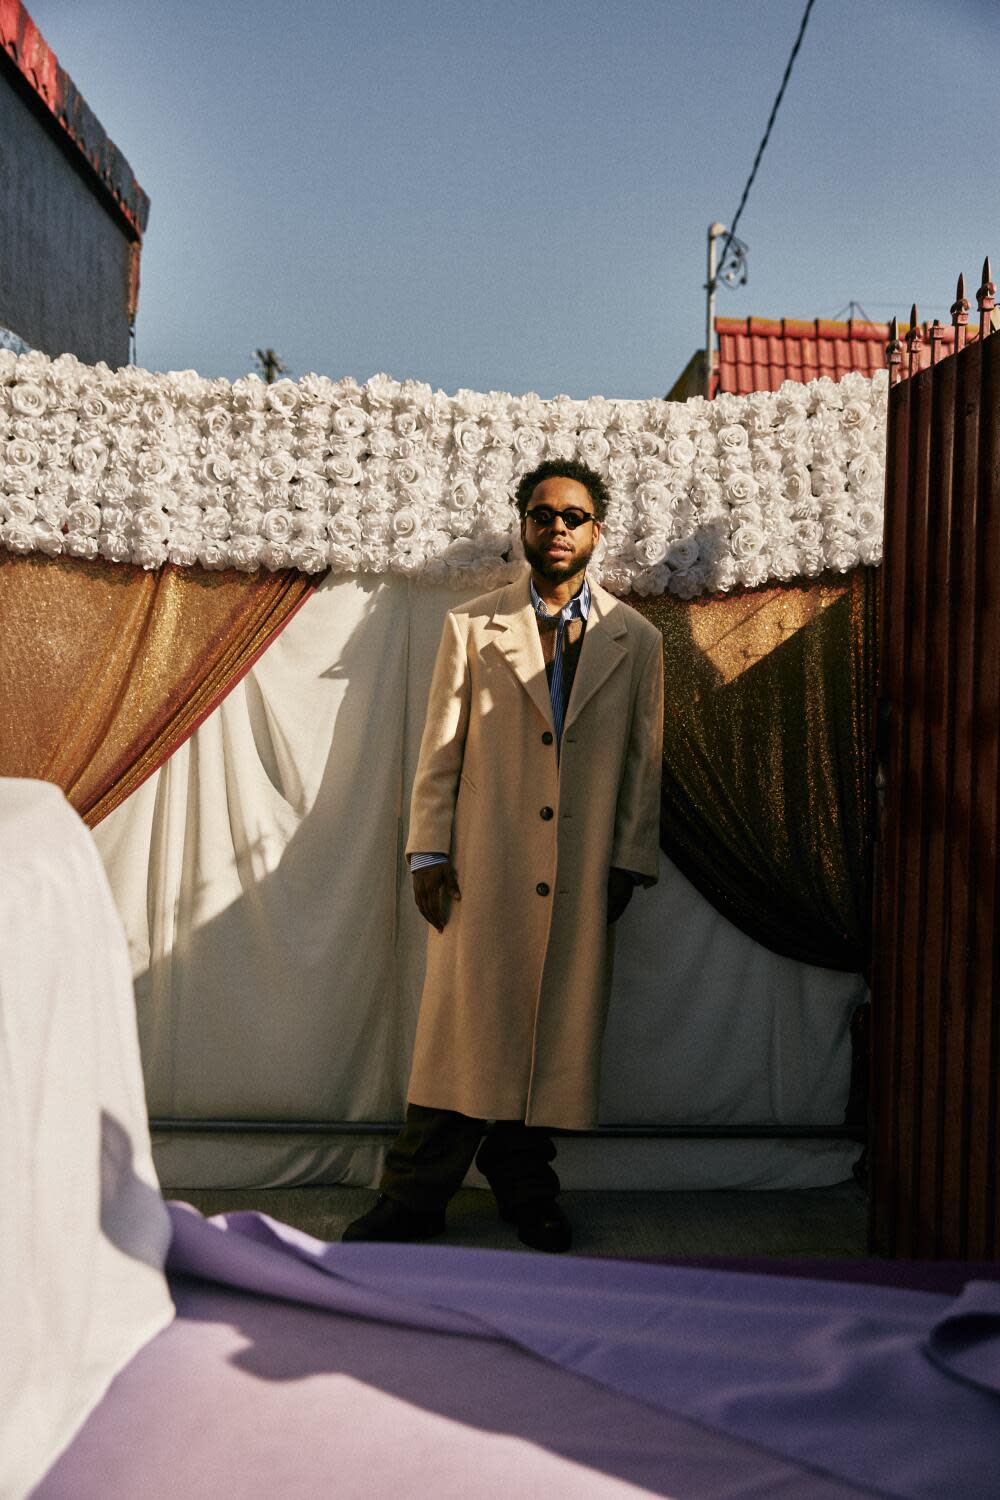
<point x="434" y="888"/>
<point x="620" y="888"/>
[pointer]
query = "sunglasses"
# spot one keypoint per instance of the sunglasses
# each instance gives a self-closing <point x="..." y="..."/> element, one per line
<point x="543" y="516"/>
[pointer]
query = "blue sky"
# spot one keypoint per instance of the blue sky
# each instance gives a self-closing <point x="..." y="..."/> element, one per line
<point x="515" y="196"/>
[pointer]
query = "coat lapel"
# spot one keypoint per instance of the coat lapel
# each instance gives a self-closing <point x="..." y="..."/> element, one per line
<point x="517" y="638"/>
<point x="602" y="650"/>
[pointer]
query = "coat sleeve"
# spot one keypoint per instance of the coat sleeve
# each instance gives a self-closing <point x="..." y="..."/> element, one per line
<point x="636" y="844"/>
<point x="442" y="748"/>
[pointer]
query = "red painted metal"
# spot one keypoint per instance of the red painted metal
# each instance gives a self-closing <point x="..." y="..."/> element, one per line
<point x="935" y="1124"/>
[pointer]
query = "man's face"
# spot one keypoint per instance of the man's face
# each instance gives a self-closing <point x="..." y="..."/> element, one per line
<point x="553" y="549"/>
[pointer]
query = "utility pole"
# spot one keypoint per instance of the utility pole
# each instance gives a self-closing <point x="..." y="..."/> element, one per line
<point x="730" y="267"/>
<point x="270" y="364"/>
<point x="715" y="232"/>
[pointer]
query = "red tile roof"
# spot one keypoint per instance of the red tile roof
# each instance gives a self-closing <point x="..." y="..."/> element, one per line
<point x="757" y="354"/>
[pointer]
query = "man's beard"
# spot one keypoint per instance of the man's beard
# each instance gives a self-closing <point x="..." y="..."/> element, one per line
<point x="554" y="568"/>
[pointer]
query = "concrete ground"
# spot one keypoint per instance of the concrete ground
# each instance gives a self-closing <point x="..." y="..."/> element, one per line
<point x="822" y="1222"/>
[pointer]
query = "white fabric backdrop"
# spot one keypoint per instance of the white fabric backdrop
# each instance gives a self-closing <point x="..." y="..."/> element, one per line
<point x="83" y="1230"/>
<point x="278" y="954"/>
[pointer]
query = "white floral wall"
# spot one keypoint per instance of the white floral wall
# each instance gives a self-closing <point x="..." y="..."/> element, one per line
<point x="706" y="496"/>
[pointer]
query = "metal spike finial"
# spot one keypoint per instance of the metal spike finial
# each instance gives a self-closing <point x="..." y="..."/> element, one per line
<point x="986" y="298"/>
<point x="914" y="342"/>
<point x="894" y="352"/>
<point x="960" y="312"/>
<point x="935" y="333"/>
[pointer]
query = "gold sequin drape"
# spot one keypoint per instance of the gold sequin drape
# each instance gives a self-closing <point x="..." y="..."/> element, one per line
<point x="765" y="759"/>
<point x="106" y="668"/>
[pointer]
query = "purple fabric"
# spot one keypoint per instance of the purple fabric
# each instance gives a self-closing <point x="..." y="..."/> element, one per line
<point x="847" y="1380"/>
<point x="245" y="1396"/>
<point x="948" y="1276"/>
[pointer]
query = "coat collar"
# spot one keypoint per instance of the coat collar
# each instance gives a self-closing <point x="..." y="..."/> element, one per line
<point x="603" y="645"/>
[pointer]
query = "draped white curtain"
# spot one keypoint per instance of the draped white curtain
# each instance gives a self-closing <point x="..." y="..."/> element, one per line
<point x="83" y="1230"/>
<point x="278" y="955"/>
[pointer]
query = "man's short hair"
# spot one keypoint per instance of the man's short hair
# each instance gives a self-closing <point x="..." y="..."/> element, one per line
<point x="563" y="468"/>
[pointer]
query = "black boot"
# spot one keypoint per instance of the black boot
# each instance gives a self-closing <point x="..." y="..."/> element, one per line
<point x="389" y="1220"/>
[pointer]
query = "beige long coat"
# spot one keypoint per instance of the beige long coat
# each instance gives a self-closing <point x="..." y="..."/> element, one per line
<point x="516" y="988"/>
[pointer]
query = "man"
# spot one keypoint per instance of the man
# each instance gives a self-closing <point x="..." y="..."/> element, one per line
<point x="535" y="812"/>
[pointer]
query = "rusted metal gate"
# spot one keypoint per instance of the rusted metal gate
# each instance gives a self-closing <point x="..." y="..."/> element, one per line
<point x="935" y="1132"/>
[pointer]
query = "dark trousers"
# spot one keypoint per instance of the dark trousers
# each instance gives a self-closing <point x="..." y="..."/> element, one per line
<point x="426" y="1162"/>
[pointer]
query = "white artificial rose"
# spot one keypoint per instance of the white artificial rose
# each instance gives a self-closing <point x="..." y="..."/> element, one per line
<point x="276" y="555"/>
<point x="854" y="414"/>
<point x="868" y="517"/>
<point x="84" y="517"/>
<point x="150" y="524"/>
<point x="469" y="437"/>
<point x="593" y="447"/>
<point x="408" y="474"/>
<point x="463" y="496"/>
<point x="732" y="438"/>
<point x="682" y="554"/>
<point x="18" y="536"/>
<point x="245" y="552"/>
<point x="560" y="444"/>
<point x="344" y="529"/>
<point x="216" y="521"/>
<point x="217" y="468"/>
<point x="80" y="544"/>
<point x="22" y="453"/>
<point x="688" y="583"/>
<point x="182" y="548"/>
<point x="807" y="535"/>
<point x="864" y="470"/>
<point x="680" y="452"/>
<point x="28" y="398"/>
<point x="309" y="556"/>
<point x="277" y="468"/>
<point x="310" y="490"/>
<point x="407" y="423"/>
<point x="115" y="545"/>
<point x="217" y="423"/>
<point x="283" y="397"/>
<point x="654" y="500"/>
<point x="529" y="444"/>
<point x="406" y="522"/>
<point x="752" y="571"/>
<point x="740" y="488"/>
<point x="213" y="554"/>
<point x="153" y="465"/>
<point x="381" y="391"/>
<point x="20" y="507"/>
<point x="48" y="539"/>
<point x="796" y="485"/>
<point x="651" y="550"/>
<point x="784" y="562"/>
<point x="348" y="421"/>
<point x="90" y="456"/>
<point x="53" y="509"/>
<point x="748" y="541"/>
<point x="870" y="549"/>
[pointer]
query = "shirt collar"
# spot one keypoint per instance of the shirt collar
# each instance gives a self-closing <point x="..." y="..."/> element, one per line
<point x="578" y="607"/>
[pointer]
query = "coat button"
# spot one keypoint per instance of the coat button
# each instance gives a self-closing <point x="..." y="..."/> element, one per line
<point x="542" y="888"/>
<point x="545" y="813"/>
<point x="547" y="737"/>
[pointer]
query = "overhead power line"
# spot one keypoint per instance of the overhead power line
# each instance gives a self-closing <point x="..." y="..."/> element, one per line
<point x="767" y="133"/>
